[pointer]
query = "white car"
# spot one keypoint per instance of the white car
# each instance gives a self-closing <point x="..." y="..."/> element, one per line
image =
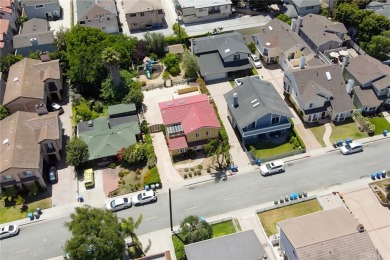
<point x="272" y="167"/>
<point x="119" y="204"/>
<point x="144" y="197"/>
<point x="351" y="148"/>
<point x="9" y="231"/>
<point x="56" y="107"/>
<point x="256" y="61"/>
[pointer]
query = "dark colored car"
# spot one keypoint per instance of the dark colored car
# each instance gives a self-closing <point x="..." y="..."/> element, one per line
<point x="53" y="175"/>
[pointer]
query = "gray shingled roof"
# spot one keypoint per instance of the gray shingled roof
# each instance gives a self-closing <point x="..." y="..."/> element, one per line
<point x="367" y="97"/>
<point x="306" y="3"/>
<point x="242" y="245"/>
<point x="365" y="69"/>
<point x="34" y="28"/>
<point x="232" y="41"/>
<point x="87" y="8"/>
<point x="268" y="98"/>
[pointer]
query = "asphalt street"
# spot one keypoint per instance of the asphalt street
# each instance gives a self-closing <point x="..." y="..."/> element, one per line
<point x="45" y="239"/>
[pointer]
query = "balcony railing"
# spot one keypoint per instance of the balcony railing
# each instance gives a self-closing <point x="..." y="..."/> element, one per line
<point x="265" y="130"/>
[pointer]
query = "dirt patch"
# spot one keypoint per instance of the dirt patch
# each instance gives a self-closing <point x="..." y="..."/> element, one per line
<point x="110" y="180"/>
<point x="207" y="166"/>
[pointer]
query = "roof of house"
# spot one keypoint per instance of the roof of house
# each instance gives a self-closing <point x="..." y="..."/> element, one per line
<point x="109" y="135"/>
<point x="137" y="6"/>
<point x="87" y="9"/>
<point x="121" y="108"/>
<point x="36" y="2"/>
<point x="177" y="48"/>
<point x="289" y="10"/>
<point x="367" y="97"/>
<point x="385" y="11"/>
<point x="34" y="28"/>
<point x="26" y="78"/>
<point x="382" y="83"/>
<point x="192" y="113"/>
<point x="176" y="143"/>
<point x="321" y="30"/>
<point x="241" y="245"/>
<point x="313" y="83"/>
<point x="340" y="239"/>
<point x="4" y="27"/>
<point x="21" y="134"/>
<point x="202" y="3"/>
<point x="306" y="3"/>
<point x="5" y="6"/>
<point x="254" y="91"/>
<point x="211" y="50"/>
<point x="365" y="69"/>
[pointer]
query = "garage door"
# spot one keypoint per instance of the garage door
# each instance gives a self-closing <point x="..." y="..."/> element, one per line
<point x="215" y="76"/>
<point x="111" y="29"/>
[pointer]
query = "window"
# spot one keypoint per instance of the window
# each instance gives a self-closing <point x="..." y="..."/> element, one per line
<point x="132" y="15"/>
<point x="108" y="18"/>
<point x="142" y="14"/>
<point x="27" y="174"/>
<point x="309" y="7"/>
<point x="275" y="120"/>
<point x="183" y="150"/>
<point x="310" y="105"/>
<point x="200" y="10"/>
<point x="251" y="126"/>
<point x="160" y="11"/>
<point x="38" y="6"/>
<point x="135" y="24"/>
<point x="197" y="135"/>
<point x="100" y="20"/>
<point x="236" y="57"/>
<point x="7" y="177"/>
<point x="208" y="133"/>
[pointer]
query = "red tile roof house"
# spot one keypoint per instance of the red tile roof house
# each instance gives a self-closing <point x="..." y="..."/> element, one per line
<point x="9" y="10"/>
<point x="6" y="36"/>
<point x="190" y="123"/>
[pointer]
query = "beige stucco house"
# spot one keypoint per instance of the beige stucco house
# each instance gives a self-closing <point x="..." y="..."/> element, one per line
<point x="143" y="14"/>
<point x="191" y="11"/>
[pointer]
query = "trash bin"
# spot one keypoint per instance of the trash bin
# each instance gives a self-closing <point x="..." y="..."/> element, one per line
<point x="36" y="214"/>
<point x="39" y="211"/>
<point x="378" y="175"/>
<point x="147" y="187"/>
<point x="258" y="162"/>
<point x="31" y="216"/>
<point x="373" y="176"/>
<point x="383" y="174"/>
<point x="385" y="132"/>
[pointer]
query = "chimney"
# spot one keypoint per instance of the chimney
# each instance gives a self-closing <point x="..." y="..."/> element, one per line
<point x="345" y="63"/>
<point x="235" y="100"/>
<point x="350" y="84"/>
<point x="300" y="20"/>
<point x="294" y="24"/>
<point x="108" y="122"/>
<point x="302" y="62"/>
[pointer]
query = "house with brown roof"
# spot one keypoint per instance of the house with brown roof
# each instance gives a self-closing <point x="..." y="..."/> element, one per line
<point x="9" y="10"/>
<point x="320" y="33"/>
<point x="190" y="123"/>
<point x="143" y="14"/>
<point x="318" y="92"/>
<point x="30" y="82"/>
<point x="369" y="82"/>
<point x="328" y="234"/>
<point x="27" y="141"/>
<point x="101" y="14"/>
<point x="44" y="9"/>
<point x="6" y="36"/>
<point x="277" y="43"/>
<point x="304" y="7"/>
<point x="35" y="35"/>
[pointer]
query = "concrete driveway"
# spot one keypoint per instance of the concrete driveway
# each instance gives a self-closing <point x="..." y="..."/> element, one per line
<point x="151" y="99"/>
<point x="376" y="219"/>
<point x="217" y="90"/>
<point x="65" y="17"/>
<point x="93" y="196"/>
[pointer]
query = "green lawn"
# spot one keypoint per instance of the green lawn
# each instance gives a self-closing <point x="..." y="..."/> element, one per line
<point x="318" y="132"/>
<point x="232" y="83"/>
<point x="269" y="218"/>
<point x="264" y="150"/>
<point x="223" y="228"/>
<point x="380" y="124"/>
<point x="254" y="72"/>
<point x="8" y="214"/>
<point x="344" y="131"/>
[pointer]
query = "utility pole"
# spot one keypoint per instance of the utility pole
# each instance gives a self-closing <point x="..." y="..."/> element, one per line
<point x="170" y="209"/>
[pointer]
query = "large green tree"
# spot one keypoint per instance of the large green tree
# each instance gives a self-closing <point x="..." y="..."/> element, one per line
<point x="128" y="228"/>
<point x="379" y="47"/>
<point x="345" y="13"/>
<point x="190" y="65"/>
<point x="155" y="42"/>
<point x="219" y="148"/>
<point x="111" y="58"/>
<point x="193" y="229"/>
<point x="76" y="152"/>
<point x="371" y="26"/>
<point x="7" y="61"/>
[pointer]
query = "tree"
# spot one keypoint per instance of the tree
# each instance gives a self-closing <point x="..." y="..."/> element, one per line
<point x="3" y="112"/>
<point x="219" y="148"/>
<point x="140" y="52"/>
<point x="190" y="65"/>
<point x="7" y="61"/>
<point x="179" y="32"/>
<point x="133" y="154"/>
<point x="371" y="26"/>
<point x="284" y="18"/>
<point x="379" y="47"/>
<point x="134" y="88"/>
<point x="111" y="59"/>
<point x="252" y="47"/>
<point x="96" y="234"/>
<point x="172" y="62"/>
<point x="193" y="229"/>
<point x="76" y="152"/>
<point x="345" y="13"/>
<point x="128" y="227"/>
<point x="155" y="42"/>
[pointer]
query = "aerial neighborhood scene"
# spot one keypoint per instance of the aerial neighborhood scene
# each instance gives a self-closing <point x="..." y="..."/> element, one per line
<point x="195" y="129"/>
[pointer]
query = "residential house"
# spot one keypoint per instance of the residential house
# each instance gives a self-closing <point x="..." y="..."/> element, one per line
<point x="256" y="109"/>
<point x="320" y="33"/>
<point x="319" y="92"/>
<point x="277" y="43"/>
<point x="373" y="79"/>
<point x="106" y="136"/>
<point x="380" y="8"/>
<point x="240" y="245"/>
<point x="101" y="14"/>
<point x="35" y="35"/>
<point x="30" y="82"/>
<point x="6" y="36"/>
<point x="27" y="140"/>
<point x="44" y="9"/>
<point x="304" y="7"/>
<point x="143" y="14"/>
<point x="328" y="234"/>
<point x="191" y="11"/>
<point x="220" y="56"/>
<point x="9" y="10"/>
<point x="190" y="123"/>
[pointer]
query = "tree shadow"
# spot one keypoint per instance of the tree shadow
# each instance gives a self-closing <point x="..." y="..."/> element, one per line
<point x="220" y="175"/>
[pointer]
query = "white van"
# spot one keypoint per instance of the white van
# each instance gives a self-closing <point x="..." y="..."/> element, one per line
<point x="272" y="167"/>
<point x="351" y="148"/>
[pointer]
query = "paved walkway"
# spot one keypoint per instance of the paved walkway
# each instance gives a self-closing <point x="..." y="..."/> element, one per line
<point x="327" y="134"/>
<point x="387" y="116"/>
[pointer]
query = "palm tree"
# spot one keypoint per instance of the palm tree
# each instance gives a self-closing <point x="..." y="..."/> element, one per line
<point x="219" y="148"/>
<point x="128" y="227"/>
<point x="111" y="58"/>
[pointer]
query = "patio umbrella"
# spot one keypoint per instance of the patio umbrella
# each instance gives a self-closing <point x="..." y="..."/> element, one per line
<point x="344" y="53"/>
<point x="334" y="55"/>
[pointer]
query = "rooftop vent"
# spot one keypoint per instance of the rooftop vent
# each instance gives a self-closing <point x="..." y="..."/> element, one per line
<point x="328" y="76"/>
<point x="360" y="228"/>
<point x="253" y="101"/>
<point x="6" y="141"/>
<point x="270" y="28"/>
<point x="268" y="44"/>
<point x="16" y="79"/>
<point x="90" y="123"/>
<point x="170" y="104"/>
<point x="181" y="101"/>
<point x="256" y="104"/>
<point x="227" y="50"/>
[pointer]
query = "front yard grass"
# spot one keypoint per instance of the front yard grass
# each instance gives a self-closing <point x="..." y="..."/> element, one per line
<point x="319" y="132"/>
<point x="268" y="149"/>
<point x="381" y="124"/>
<point x="269" y="218"/>
<point x="223" y="229"/>
<point x="344" y="131"/>
<point x="8" y="214"/>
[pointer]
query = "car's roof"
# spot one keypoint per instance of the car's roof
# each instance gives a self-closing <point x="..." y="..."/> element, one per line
<point x="354" y="144"/>
<point x="277" y="162"/>
<point x="8" y="228"/>
<point x="148" y="193"/>
<point x="119" y="201"/>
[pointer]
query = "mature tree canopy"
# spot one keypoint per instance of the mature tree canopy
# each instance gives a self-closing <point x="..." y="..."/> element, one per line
<point x="219" y="148"/>
<point x="194" y="230"/>
<point x="133" y="154"/>
<point x="345" y="13"/>
<point x="190" y="65"/>
<point x="379" y="46"/>
<point x="155" y="42"/>
<point x="372" y="25"/>
<point x="179" y="31"/>
<point x="3" y="112"/>
<point x="140" y="52"/>
<point x="172" y="62"/>
<point x="111" y="59"/>
<point x="76" y="151"/>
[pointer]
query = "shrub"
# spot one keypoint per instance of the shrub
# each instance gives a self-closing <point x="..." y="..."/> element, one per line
<point x="166" y="75"/>
<point x="98" y="106"/>
<point x="185" y="176"/>
<point x="174" y="71"/>
<point x="122" y="173"/>
<point x="208" y="170"/>
<point x="186" y="170"/>
<point x="199" y="173"/>
<point x="152" y="177"/>
<point x="190" y="174"/>
<point x="112" y="165"/>
<point x="200" y="166"/>
<point x="202" y="86"/>
<point x="143" y="83"/>
<point x="192" y="169"/>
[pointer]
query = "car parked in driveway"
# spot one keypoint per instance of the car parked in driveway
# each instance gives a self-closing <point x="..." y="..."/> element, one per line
<point x="351" y="148"/>
<point x="53" y="174"/>
<point x="144" y="197"/>
<point x="118" y="204"/>
<point x="256" y="61"/>
<point x="272" y="167"/>
<point x="9" y="231"/>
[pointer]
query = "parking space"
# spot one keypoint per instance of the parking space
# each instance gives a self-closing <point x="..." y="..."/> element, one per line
<point x="65" y="17"/>
<point x="93" y="196"/>
<point x="376" y="219"/>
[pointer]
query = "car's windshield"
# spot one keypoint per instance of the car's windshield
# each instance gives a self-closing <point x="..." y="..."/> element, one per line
<point x="139" y="196"/>
<point x="348" y="147"/>
<point x="10" y="228"/>
<point x="268" y="166"/>
<point x="112" y="204"/>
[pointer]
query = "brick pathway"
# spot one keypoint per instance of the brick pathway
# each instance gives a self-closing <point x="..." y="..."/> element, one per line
<point x="110" y="180"/>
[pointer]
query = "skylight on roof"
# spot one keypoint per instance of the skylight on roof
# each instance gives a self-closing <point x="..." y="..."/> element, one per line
<point x="328" y="76"/>
<point x="227" y="50"/>
<point x="255" y="105"/>
<point x="268" y="44"/>
<point x="253" y="101"/>
<point x="270" y="28"/>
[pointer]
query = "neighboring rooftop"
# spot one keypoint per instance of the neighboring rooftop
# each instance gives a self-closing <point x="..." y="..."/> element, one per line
<point x="34" y="30"/>
<point x="137" y="6"/>
<point x="329" y="234"/>
<point x="203" y="3"/>
<point x="121" y="109"/>
<point x="87" y="9"/>
<point x="305" y="3"/>
<point x="367" y="97"/>
<point x="5" y="6"/>
<point x="365" y="69"/>
<point x="177" y="48"/>
<point x="4" y="27"/>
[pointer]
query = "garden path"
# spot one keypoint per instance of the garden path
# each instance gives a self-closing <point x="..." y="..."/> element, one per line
<point x="327" y="134"/>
